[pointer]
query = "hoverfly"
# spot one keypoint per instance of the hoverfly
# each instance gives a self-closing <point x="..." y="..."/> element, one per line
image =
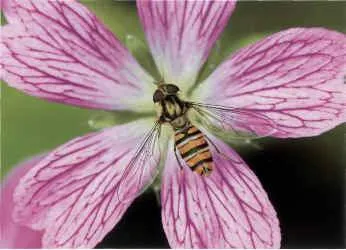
<point x="191" y="145"/>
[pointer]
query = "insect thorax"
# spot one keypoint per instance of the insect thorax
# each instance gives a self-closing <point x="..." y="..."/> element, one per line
<point x="173" y="110"/>
<point x="170" y="108"/>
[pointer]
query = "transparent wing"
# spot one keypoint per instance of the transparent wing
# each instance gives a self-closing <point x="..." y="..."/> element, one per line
<point x="236" y="122"/>
<point x="138" y="170"/>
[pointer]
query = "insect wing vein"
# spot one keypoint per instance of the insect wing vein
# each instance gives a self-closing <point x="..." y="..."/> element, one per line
<point x="241" y="122"/>
<point x="139" y="167"/>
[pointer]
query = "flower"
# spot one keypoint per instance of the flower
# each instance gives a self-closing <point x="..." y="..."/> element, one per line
<point x="59" y="51"/>
<point x="14" y="235"/>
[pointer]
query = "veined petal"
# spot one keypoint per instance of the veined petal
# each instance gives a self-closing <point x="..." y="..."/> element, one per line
<point x="228" y="209"/>
<point x="60" y="51"/>
<point x="294" y="77"/>
<point x="74" y="192"/>
<point x="181" y="34"/>
<point x="13" y="235"/>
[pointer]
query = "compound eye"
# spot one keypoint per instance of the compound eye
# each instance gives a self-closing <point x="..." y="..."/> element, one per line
<point x="158" y="96"/>
<point x="172" y="89"/>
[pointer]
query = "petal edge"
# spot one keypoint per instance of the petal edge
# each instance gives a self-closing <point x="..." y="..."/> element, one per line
<point x="228" y="209"/>
<point x="60" y="51"/>
<point x="294" y="77"/>
<point x="73" y="193"/>
<point x="181" y="34"/>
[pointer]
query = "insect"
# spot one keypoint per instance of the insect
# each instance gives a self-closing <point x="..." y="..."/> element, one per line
<point x="190" y="142"/>
<point x="191" y="145"/>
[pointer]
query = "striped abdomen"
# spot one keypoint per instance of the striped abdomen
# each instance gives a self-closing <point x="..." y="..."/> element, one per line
<point x="194" y="150"/>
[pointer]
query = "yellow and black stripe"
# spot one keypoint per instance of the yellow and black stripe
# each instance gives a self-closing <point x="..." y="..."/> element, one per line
<point x="194" y="150"/>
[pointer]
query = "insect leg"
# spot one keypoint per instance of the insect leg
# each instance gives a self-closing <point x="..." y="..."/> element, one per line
<point x="177" y="157"/>
<point x="212" y="143"/>
<point x="216" y="148"/>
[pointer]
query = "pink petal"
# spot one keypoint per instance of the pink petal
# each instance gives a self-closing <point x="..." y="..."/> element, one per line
<point x="228" y="209"/>
<point x="60" y="51"/>
<point x="181" y="34"/>
<point x="14" y="235"/>
<point x="294" y="77"/>
<point x="79" y="192"/>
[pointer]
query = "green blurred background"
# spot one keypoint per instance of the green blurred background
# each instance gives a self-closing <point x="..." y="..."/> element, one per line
<point x="303" y="177"/>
